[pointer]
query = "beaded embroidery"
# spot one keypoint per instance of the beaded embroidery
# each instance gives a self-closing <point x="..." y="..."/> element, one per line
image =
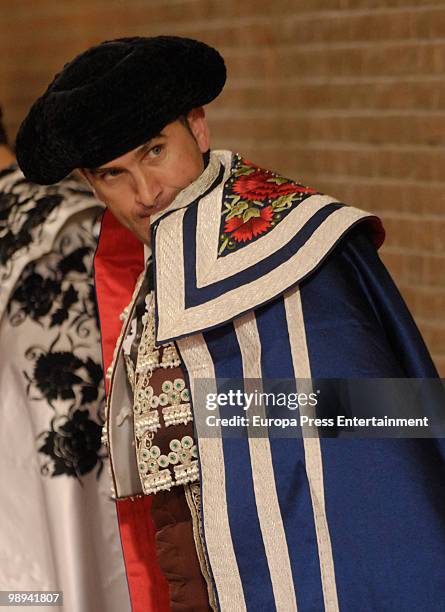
<point x="174" y="402"/>
<point x="175" y="394"/>
<point x="154" y="467"/>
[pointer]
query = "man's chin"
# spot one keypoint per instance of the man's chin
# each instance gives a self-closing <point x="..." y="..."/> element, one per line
<point x="142" y="233"/>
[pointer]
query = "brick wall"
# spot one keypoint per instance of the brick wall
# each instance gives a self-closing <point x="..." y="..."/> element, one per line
<point x="344" y="95"/>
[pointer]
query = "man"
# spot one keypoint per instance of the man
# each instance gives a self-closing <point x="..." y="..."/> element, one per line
<point x="57" y="525"/>
<point x="248" y="277"/>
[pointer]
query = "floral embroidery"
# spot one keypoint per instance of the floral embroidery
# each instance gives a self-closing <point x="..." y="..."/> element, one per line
<point x="253" y="222"/>
<point x="55" y="297"/>
<point x="35" y="295"/>
<point x="255" y="200"/>
<point x="25" y="208"/>
<point x="72" y="445"/>
<point x="53" y="294"/>
<point x="63" y="376"/>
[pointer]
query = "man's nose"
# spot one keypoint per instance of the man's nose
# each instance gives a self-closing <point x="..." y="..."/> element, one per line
<point x="147" y="187"/>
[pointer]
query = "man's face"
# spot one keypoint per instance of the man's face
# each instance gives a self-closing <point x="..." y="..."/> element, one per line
<point x="147" y="179"/>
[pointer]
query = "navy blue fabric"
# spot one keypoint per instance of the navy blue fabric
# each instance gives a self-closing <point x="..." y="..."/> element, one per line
<point x="384" y="498"/>
<point x="389" y="308"/>
<point x="243" y="519"/>
<point x="289" y="463"/>
<point x="195" y="296"/>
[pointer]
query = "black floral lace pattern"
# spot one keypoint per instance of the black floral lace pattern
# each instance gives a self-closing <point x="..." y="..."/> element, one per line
<point x="55" y="298"/>
<point x="52" y="294"/>
<point x="72" y="444"/>
<point x="24" y="208"/>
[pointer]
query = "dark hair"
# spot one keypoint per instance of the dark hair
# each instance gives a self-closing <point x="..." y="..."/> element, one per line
<point x="183" y="119"/>
<point x="3" y="137"/>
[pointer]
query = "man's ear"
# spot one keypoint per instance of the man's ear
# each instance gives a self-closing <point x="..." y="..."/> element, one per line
<point x="198" y="124"/>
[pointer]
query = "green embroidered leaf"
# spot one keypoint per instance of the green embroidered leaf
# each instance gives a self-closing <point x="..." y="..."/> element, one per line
<point x="251" y="212"/>
<point x="223" y="245"/>
<point x="284" y="202"/>
<point x="245" y="170"/>
<point x="234" y="198"/>
<point x="236" y="209"/>
<point x="278" y="180"/>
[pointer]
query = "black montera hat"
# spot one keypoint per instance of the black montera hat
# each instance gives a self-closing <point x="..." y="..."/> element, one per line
<point x="112" y="98"/>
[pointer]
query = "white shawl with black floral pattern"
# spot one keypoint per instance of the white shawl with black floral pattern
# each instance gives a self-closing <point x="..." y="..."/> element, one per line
<point x="58" y="527"/>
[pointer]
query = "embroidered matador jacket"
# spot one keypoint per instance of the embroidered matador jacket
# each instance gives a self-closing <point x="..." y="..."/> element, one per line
<point x="258" y="277"/>
<point x="58" y="526"/>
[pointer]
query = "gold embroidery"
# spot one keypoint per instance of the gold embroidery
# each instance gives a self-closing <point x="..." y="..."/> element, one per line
<point x="219" y="543"/>
<point x="210" y="268"/>
<point x="263" y="476"/>
<point x="176" y="320"/>
<point x="312" y="450"/>
<point x="110" y="370"/>
<point x="175" y="394"/>
<point x="130" y="371"/>
<point x="170" y="357"/>
<point x="174" y="400"/>
<point x="193" y="497"/>
<point x="184" y="456"/>
<point x="154" y="467"/>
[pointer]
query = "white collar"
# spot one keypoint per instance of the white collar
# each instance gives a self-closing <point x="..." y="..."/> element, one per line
<point x="187" y="195"/>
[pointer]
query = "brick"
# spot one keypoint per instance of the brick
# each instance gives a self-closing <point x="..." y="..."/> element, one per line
<point x="426" y="302"/>
<point x="419" y="235"/>
<point x="356" y="94"/>
<point x="347" y="161"/>
<point x="386" y="198"/>
<point x="440" y="364"/>
<point x="394" y="263"/>
<point x="434" y="270"/>
<point x="414" y="269"/>
<point x="344" y="95"/>
<point x="287" y="61"/>
<point x="434" y="335"/>
<point x="372" y="129"/>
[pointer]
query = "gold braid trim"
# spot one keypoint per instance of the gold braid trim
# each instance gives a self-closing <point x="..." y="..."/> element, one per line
<point x="193" y="497"/>
<point x="124" y="316"/>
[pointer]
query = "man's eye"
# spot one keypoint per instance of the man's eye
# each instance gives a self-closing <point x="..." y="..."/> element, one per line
<point x="110" y="174"/>
<point x="156" y="150"/>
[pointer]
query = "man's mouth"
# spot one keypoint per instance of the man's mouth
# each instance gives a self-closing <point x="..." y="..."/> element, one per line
<point x="148" y="211"/>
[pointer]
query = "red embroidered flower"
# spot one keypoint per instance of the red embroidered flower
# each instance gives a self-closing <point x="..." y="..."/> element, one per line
<point x="246" y="230"/>
<point x="261" y="185"/>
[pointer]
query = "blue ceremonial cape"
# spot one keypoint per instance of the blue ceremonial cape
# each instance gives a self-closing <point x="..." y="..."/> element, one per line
<point x="384" y="500"/>
<point x="306" y="524"/>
